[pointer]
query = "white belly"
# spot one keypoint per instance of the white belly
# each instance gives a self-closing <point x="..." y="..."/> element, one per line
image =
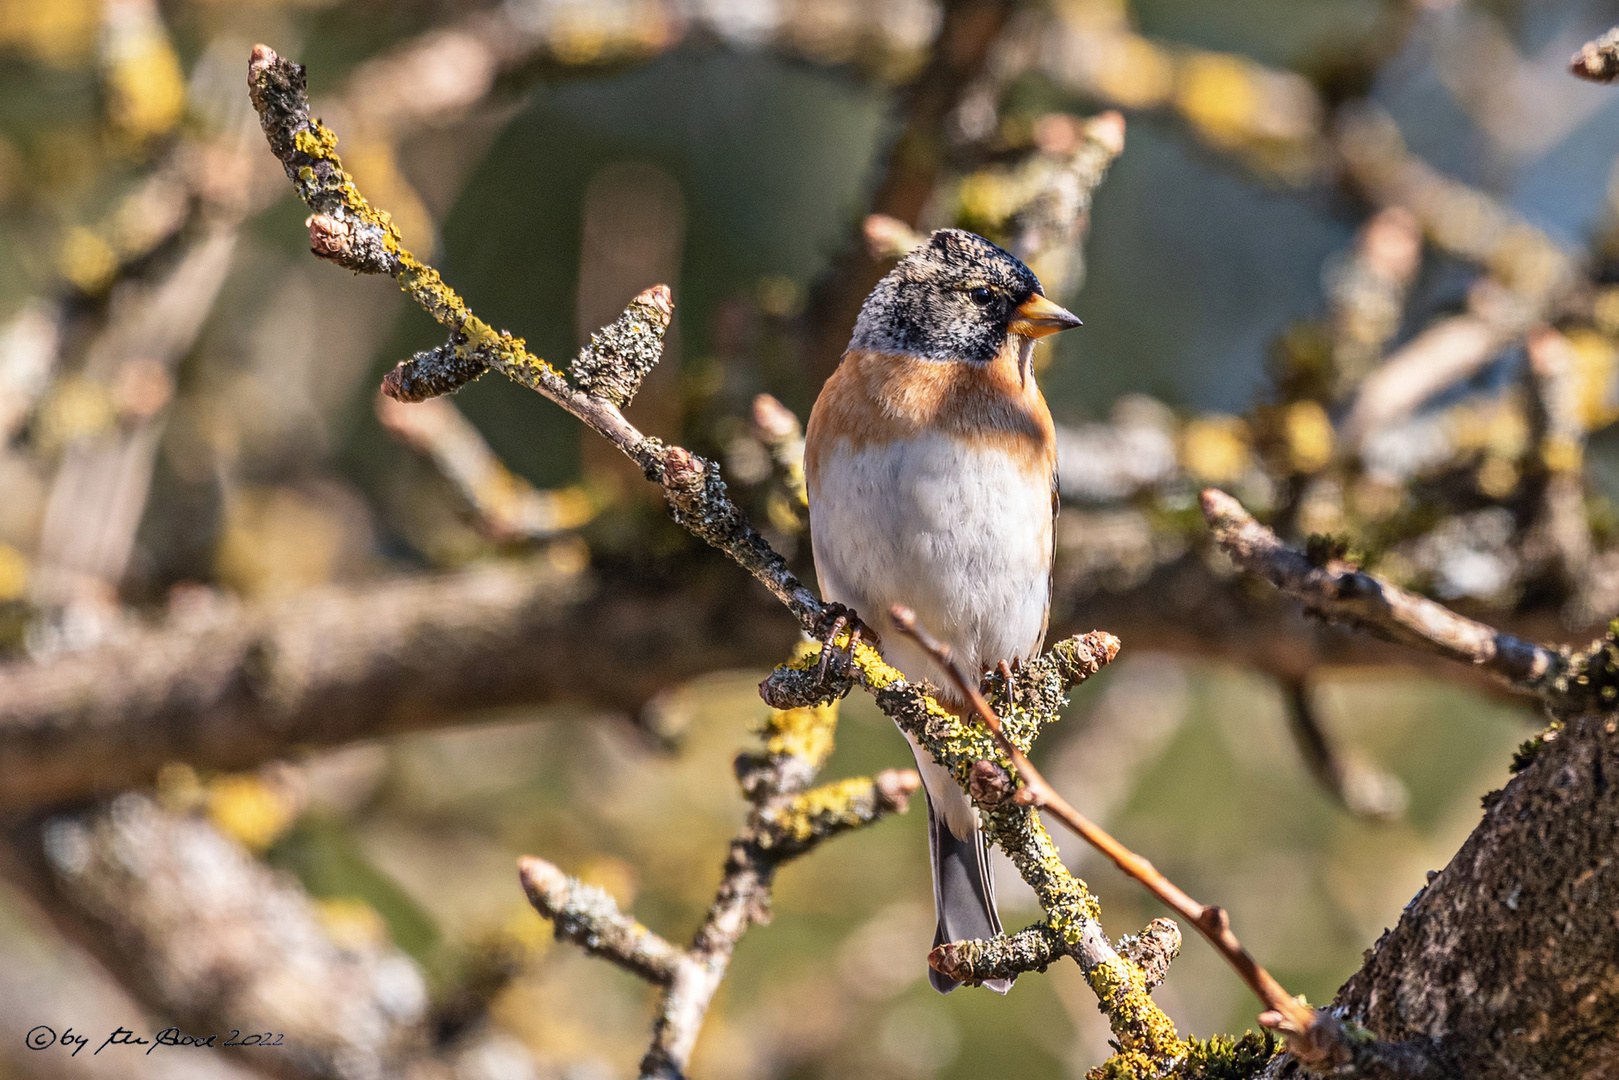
<point x="959" y="533"/>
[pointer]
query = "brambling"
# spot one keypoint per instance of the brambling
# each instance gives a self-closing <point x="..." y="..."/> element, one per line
<point x="931" y="462"/>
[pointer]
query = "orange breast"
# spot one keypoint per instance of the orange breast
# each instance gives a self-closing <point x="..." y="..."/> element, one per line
<point x="875" y="398"/>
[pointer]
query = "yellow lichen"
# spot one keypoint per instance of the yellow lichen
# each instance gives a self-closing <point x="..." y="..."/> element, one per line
<point x="1309" y="436"/>
<point x="805" y="733"/>
<point x="1137" y="1022"/>
<point x="13" y="573"/>
<point x="822" y="810"/>
<point x="318" y="142"/>
<point x="1216" y="448"/>
<point x="1217" y="93"/>
<point x="249" y="809"/>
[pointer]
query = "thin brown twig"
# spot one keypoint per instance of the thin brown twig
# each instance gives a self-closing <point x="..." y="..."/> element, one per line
<point x="1284" y="1012"/>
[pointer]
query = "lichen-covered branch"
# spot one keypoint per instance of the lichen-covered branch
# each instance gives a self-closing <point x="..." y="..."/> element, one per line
<point x="1283" y="1011"/>
<point x="365" y="240"/>
<point x="786" y="819"/>
<point x="1037" y="947"/>
<point x="776" y="781"/>
<point x="785" y="822"/>
<point x="982" y="765"/>
<point x="588" y="917"/>
<point x="790" y="829"/>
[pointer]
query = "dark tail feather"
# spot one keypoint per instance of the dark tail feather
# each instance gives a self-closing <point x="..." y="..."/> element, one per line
<point x="963" y="894"/>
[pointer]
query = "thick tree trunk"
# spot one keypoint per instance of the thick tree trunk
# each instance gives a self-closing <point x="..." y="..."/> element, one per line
<point x="1506" y="966"/>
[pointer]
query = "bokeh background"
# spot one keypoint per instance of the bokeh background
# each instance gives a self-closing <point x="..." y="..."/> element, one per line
<point x="734" y="163"/>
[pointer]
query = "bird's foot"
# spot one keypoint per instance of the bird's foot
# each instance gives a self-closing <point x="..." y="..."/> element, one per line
<point x="834" y="621"/>
<point x="1008" y="673"/>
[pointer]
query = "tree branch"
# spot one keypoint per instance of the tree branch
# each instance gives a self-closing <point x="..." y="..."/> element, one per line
<point x="1340" y="592"/>
<point x="1283" y="1011"/>
<point x="224" y="686"/>
<point x="209" y="936"/>
<point x="785" y="821"/>
<point x="1500" y="967"/>
<point x="506" y="506"/>
<point x="588" y="917"/>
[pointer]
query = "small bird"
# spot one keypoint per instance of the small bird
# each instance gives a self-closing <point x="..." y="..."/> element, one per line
<point x="931" y="463"/>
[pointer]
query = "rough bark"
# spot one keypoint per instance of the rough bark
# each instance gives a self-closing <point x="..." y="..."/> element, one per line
<point x="1503" y="965"/>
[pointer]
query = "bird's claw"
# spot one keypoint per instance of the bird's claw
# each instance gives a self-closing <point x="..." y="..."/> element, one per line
<point x="1008" y="673"/>
<point x="841" y="618"/>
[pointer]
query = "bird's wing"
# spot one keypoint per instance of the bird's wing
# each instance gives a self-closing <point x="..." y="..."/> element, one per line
<point x="1051" y="569"/>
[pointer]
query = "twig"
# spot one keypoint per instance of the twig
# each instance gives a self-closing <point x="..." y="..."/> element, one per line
<point x="1598" y="60"/>
<point x="363" y="239"/>
<point x="588" y="917"/>
<point x="785" y="822"/>
<point x="776" y="426"/>
<point x="1455" y="218"/>
<point x="506" y="506"/>
<point x="1037" y="947"/>
<point x="1446" y="352"/>
<point x="350" y="232"/>
<point x="1345" y="593"/>
<point x="1361" y="790"/>
<point x="1283" y="1012"/>
<point x="99" y="493"/>
<point x="1141" y="1029"/>
<point x="1560" y="534"/>
<point x="1366" y="293"/>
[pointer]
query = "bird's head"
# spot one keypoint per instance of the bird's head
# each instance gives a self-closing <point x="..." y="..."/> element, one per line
<point x="956" y="297"/>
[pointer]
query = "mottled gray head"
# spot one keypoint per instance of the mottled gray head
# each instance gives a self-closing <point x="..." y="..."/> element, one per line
<point x="956" y="298"/>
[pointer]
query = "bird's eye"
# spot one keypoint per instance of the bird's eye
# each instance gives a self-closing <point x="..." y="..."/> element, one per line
<point x="981" y="296"/>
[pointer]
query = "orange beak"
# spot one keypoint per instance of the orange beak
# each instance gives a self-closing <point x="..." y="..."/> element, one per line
<point x="1037" y="317"/>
